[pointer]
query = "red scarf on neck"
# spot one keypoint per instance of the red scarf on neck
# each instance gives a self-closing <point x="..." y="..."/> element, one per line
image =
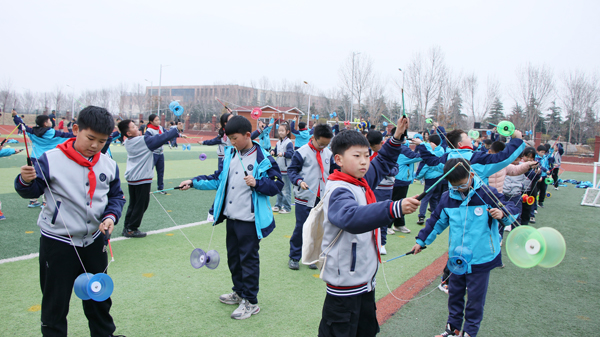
<point x="338" y="175"/>
<point x="151" y="126"/>
<point x="69" y="150"/>
<point x="466" y="147"/>
<point x="318" y="159"/>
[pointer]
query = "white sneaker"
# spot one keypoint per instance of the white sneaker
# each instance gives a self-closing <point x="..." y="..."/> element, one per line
<point x="401" y="229"/>
<point x="283" y="211"/>
<point x="556" y="188"/>
<point x="245" y="310"/>
<point x="443" y="287"/>
<point x="507" y="228"/>
<point x="382" y="251"/>
<point x="231" y="298"/>
<point x="390" y="231"/>
<point x="535" y="211"/>
<point x="275" y="209"/>
<point x="210" y="218"/>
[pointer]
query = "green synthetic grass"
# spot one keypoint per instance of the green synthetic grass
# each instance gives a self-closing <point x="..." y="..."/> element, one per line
<point x="157" y="292"/>
<point x="560" y="301"/>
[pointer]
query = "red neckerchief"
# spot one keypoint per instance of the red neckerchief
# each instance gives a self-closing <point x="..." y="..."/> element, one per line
<point x="69" y="150"/>
<point x="151" y="126"/>
<point x="466" y="147"/>
<point x="318" y="159"/>
<point x="373" y="155"/>
<point x="341" y="176"/>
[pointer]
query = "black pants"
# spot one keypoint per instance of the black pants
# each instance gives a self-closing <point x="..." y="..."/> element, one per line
<point x="525" y="214"/>
<point x="59" y="267"/>
<point x="398" y="193"/>
<point x="349" y="316"/>
<point x="139" y="198"/>
<point x="542" y="188"/>
<point x="159" y="164"/>
<point x="242" y="257"/>
<point x="555" y="176"/>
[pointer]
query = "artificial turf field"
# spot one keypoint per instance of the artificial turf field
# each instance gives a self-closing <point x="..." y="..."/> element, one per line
<point x="157" y="292"/>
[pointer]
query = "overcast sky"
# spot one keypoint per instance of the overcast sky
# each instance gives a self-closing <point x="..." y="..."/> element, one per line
<point x="101" y="44"/>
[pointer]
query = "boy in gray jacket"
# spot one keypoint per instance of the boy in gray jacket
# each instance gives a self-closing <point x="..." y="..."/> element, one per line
<point x="139" y="172"/>
<point x="351" y="240"/>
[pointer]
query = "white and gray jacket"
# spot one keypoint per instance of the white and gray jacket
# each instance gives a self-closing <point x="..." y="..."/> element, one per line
<point x="286" y="147"/>
<point x="304" y="167"/>
<point x="152" y="132"/>
<point x="140" y="161"/>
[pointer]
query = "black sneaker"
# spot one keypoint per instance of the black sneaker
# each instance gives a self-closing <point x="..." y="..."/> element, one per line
<point x="421" y="220"/>
<point x="541" y="204"/>
<point x="293" y="264"/>
<point x="312" y="266"/>
<point x="133" y="233"/>
<point x="449" y="332"/>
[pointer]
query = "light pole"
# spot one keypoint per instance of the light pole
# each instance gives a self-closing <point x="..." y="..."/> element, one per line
<point x="159" y="85"/>
<point x="72" y="101"/>
<point x="402" y="91"/>
<point x="151" y="85"/>
<point x="309" y="92"/>
<point x="352" y="89"/>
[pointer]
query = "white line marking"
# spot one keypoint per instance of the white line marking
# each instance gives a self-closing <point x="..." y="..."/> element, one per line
<point x="120" y="238"/>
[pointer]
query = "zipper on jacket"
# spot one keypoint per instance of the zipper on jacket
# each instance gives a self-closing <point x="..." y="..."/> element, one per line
<point x="492" y="244"/>
<point x="55" y="212"/>
<point x="353" y="265"/>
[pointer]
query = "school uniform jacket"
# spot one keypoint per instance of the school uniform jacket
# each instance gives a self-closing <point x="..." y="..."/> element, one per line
<point x="406" y="166"/>
<point x="140" y="158"/>
<point x="67" y="199"/>
<point x="484" y="164"/>
<point x="44" y="139"/>
<point x="427" y="172"/>
<point x="304" y="167"/>
<point x="264" y="138"/>
<point x="302" y="136"/>
<point x="152" y="132"/>
<point x="352" y="261"/>
<point x="268" y="184"/>
<point x="471" y="225"/>
<point x="286" y="147"/>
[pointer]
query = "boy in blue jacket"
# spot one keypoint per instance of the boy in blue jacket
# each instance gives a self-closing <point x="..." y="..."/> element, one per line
<point x="431" y="175"/>
<point x="84" y="185"/>
<point x="244" y="183"/>
<point x="352" y="220"/>
<point x="404" y="178"/>
<point x="545" y="160"/>
<point x="302" y="134"/>
<point x="470" y="209"/>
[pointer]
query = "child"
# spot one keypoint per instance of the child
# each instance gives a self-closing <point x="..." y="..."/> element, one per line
<point x="44" y="138"/>
<point x="310" y="167"/>
<point x="284" y="151"/>
<point x="516" y="185"/>
<point x="545" y="165"/>
<point x="530" y="186"/>
<point x="76" y="237"/>
<point x="556" y="152"/>
<point x="140" y="159"/>
<point x="404" y="178"/>
<point x="154" y="129"/>
<point x="17" y="120"/>
<point x="302" y="134"/>
<point x="431" y="175"/>
<point x="352" y="218"/>
<point x="6" y="153"/>
<point x="263" y="134"/>
<point x="384" y="189"/>
<point x="497" y="179"/>
<point x="244" y="183"/>
<point x="468" y="198"/>
<point x="221" y="140"/>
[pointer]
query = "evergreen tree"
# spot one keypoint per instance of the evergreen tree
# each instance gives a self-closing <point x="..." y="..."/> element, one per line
<point x="457" y="118"/>
<point x="555" y="119"/>
<point x="496" y="112"/>
<point x="517" y="116"/>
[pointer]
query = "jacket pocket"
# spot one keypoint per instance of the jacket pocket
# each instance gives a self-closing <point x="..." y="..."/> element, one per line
<point x="58" y="203"/>
<point x="353" y="264"/>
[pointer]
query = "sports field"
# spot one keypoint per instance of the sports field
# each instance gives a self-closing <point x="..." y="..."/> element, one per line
<point x="157" y="292"/>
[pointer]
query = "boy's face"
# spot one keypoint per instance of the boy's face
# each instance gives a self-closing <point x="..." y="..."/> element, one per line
<point x="156" y="121"/>
<point x="133" y="130"/>
<point x="354" y="161"/>
<point x="465" y="141"/>
<point x="377" y="147"/>
<point x="463" y="185"/>
<point x="321" y="142"/>
<point x="241" y="141"/>
<point x="89" y="142"/>
<point x="282" y="132"/>
<point x="433" y="146"/>
<point x="48" y="123"/>
<point x="542" y="153"/>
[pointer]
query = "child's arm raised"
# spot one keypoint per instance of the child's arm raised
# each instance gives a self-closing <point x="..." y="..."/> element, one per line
<point x="387" y="158"/>
<point x="154" y="142"/>
<point x="293" y="127"/>
<point x="485" y="164"/>
<point x="346" y="214"/>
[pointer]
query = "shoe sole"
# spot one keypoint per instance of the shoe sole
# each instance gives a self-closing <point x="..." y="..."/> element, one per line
<point x="229" y="302"/>
<point x="247" y="315"/>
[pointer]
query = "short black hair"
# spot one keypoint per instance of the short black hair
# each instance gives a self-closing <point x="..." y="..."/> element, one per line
<point x="152" y="117"/>
<point x="372" y="127"/>
<point x="322" y="131"/>
<point x="497" y="146"/>
<point x="435" y="139"/>
<point x="301" y="125"/>
<point x="346" y="139"/>
<point x="454" y="137"/>
<point x="96" y="119"/>
<point x="123" y="126"/>
<point x="374" y="137"/>
<point x="542" y="148"/>
<point x="393" y="131"/>
<point x="548" y="146"/>
<point x="487" y="141"/>
<point x="238" y="124"/>
<point x="41" y="120"/>
<point x="460" y="172"/>
<point x="529" y="152"/>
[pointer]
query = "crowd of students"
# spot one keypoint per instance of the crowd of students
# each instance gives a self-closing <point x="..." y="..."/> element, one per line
<point x="360" y="176"/>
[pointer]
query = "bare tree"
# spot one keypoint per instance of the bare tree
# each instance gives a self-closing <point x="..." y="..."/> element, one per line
<point x="58" y="98"/>
<point x="478" y="104"/>
<point x="535" y="85"/>
<point x="123" y="96"/>
<point x="356" y="76"/>
<point x="424" y="75"/>
<point x="580" y="95"/>
<point x="6" y="93"/>
<point x="29" y="101"/>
